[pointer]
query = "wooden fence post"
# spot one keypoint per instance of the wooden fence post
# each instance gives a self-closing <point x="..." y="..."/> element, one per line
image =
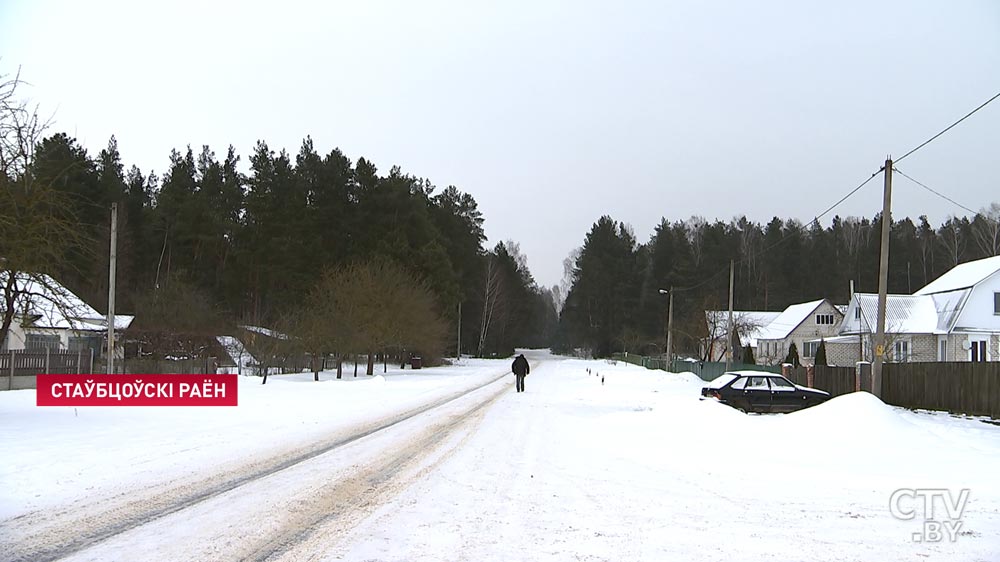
<point x="811" y="376"/>
<point x="10" y="378"/>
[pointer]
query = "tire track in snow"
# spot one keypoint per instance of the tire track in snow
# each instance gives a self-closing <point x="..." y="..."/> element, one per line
<point x="337" y="509"/>
<point x="47" y="536"/>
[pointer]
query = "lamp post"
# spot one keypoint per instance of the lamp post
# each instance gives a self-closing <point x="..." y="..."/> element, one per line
<point x="670" y="326"/>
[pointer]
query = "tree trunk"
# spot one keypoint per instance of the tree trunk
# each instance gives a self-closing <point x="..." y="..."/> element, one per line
<point x="315" y="367"/>
<point x="340" y="366"/>
<point x="371" y="364"/>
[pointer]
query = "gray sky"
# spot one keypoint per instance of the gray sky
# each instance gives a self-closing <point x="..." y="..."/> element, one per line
<point x="550" y="114"/>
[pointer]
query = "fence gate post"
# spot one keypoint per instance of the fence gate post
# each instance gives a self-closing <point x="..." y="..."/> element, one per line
<point x="10" y="377"/>
<point x="91" y="370"/>
<point x="46" y="359"/>
<point x="862" y="376"/>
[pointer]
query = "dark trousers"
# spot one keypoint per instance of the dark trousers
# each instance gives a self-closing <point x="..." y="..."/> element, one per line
<point x="520" y="382"/>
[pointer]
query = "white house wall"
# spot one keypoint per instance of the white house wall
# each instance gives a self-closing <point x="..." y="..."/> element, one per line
<point x="15" y="336"/>
<point x="978" y="312"/>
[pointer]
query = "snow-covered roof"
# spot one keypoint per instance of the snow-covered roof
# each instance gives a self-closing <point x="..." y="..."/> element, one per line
<point x="963" y="276"/>
<point x="265" y="331"/>
<point x="788" y="320"/>
<point x="904" y="314"/>
<point x="45" y="303"/>
<point x="839" y="339"/>
<point x="756" y="320"/>
<point x="237" y="351"/>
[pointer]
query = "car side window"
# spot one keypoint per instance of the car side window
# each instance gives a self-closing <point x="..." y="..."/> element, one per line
<point x="757" y="383"/>
<point x="739" y="384"/>
<point x="778" y="383"/>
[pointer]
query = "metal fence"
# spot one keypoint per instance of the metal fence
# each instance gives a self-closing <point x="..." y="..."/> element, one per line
<point x="706" y="370"/>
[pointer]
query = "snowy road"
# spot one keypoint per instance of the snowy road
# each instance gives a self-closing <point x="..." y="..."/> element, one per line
<point x="333" y="480"/>
<point x="634" y="468"/>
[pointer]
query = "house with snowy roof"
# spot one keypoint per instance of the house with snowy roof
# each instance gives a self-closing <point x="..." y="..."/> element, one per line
<point x="954" y="318"/>
<point x="805" y="325"/>
<point x="50" y="316"/>
<point x="747" y="324"/>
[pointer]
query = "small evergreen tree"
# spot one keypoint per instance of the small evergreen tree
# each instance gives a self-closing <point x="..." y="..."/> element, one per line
<point x="748" y="357"/>
<point x="821" y="353"/>
<point x="793" y="356"/>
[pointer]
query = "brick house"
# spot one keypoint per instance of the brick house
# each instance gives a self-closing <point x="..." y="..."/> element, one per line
<point x="802" y="324"/>
<point x="954" y="318"/>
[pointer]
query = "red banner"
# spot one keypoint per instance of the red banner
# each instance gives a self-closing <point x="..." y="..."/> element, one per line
<point x="136" y="390"/>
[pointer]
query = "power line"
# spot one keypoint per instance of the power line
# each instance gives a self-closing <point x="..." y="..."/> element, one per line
<point x="967" y="115"/>
<point x="941" y="195"/>
<point x="844" y="198"/>
<point x="784" y="238"/>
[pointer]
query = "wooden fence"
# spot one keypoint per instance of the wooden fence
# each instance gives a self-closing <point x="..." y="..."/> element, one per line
<point x="835" y="380"/>
<point x="962" y="387"/>
<point x="200" y="366"/>
<point x="18" y="368"/>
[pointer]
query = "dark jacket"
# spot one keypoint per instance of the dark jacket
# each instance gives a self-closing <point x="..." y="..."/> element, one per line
<point x="520" y="366"/>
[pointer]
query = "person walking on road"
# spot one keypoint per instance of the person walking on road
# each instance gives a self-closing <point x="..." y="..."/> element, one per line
<point x="520" y="369"/>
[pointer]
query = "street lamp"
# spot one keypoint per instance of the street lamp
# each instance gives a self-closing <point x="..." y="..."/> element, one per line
<point x="670" y="325"/>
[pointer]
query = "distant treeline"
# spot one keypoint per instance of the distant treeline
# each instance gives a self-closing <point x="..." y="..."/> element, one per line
<point x="614" y="302"/>
<point x="251" y="246"/>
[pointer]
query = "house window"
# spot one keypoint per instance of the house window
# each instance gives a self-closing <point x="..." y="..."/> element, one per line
<point x="978" y="351"/>
<point x="809" y="348"/>
<point x="943" y="350"/>
<point x="901" y="351"/>
<point x="857" y="313"/>
<point x="39" y="342"/>
<point x="996" y="303"/>
<point x="86" y="343"/>
<point x="824" y="319"/>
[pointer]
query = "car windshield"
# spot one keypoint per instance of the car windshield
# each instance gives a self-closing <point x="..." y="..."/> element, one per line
<point x="721" y="380"/>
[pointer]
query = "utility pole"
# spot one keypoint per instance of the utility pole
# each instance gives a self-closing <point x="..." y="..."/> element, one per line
<point x="883" y="281"/>
<point x="729" y="330"/>
<point x="458" y="350"/>
<point x="670" y="329"/>
<point x="111" y="288"/>
<point x="670" y="326"/>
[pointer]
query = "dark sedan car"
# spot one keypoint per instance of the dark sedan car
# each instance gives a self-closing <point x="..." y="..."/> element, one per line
<point x="755" y="391"/>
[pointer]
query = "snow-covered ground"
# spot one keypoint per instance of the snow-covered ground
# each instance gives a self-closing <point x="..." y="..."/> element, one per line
<point x="636" y="468"/>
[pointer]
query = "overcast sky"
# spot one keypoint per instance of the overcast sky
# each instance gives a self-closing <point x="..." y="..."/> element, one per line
<point x="550" y="114"/>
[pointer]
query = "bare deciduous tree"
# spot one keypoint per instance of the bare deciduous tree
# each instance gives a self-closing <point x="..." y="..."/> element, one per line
<point x="370" y="308"/>
<point x="953" y="240"/>
<point x="493" y="301"/>
<point x="38" y="226"/>
<point x="986" y="228"/>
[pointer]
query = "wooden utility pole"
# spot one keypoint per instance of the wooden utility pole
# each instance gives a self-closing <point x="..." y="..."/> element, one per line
<point x="670" y="326"/>
<point x="670" y="330"/>
<point x="458" y="350"/>
<point x="111" y="288"/>
<point x="729" y="330"/>
<point x="883" y="281"/>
